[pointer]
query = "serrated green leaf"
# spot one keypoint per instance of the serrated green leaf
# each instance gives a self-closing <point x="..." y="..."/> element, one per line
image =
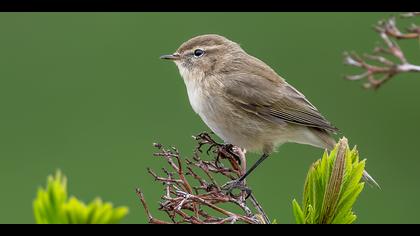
<point x="331" y="188"/>
<point x="52" y="206"/>
<point x="297" y="211"/>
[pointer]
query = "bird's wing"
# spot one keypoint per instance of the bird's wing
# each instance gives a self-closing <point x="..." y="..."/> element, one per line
<point x="274" y="100"/>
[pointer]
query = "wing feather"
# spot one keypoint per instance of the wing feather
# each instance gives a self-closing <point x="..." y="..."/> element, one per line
<point x="274" y="100"/>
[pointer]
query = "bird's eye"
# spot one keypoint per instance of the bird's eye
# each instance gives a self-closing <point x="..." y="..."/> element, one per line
<point x="198" y="52"/>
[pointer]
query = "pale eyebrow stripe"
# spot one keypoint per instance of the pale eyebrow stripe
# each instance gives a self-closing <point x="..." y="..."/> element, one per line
<point x="206" y="49"/>
<point x="211" y="48"/>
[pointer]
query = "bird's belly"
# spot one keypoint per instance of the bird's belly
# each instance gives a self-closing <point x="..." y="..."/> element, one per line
<point x="235" y="126"/>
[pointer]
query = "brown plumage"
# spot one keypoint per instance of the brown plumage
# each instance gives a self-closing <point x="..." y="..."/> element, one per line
<point x="244" y="101"/>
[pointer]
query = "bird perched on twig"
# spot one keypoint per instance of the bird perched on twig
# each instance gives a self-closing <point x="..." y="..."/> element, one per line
<point x="245" y="102"/>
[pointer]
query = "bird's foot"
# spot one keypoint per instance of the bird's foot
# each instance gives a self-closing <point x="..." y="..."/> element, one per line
<point x="233" y="151"/>
<point x="228" y="149"/>
<point x="231" y="186"/>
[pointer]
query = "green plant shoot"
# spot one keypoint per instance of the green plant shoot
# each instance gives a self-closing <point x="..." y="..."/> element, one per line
<point x="331" y="188"/>
<point x="53" y="206"/>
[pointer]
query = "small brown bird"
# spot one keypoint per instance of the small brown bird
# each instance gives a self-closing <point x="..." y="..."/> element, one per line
<point x="245" y="102"/>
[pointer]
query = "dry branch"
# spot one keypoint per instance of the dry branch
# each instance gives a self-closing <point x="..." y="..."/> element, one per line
<point x="384" y="57"/>
<point x="192" y="193"/>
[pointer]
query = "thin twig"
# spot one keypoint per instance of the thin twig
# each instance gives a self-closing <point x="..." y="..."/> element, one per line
<point x="259" y="208"/>
<point x="185" y="202"/>
<point x="152" y="220"/>
<point x="377" y="75"/>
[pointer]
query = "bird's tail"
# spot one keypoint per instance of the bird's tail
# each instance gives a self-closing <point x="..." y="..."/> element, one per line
<point x="370" y="180"/>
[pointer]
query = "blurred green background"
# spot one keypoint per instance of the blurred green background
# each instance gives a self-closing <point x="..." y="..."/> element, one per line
<point x="87" y="93"/>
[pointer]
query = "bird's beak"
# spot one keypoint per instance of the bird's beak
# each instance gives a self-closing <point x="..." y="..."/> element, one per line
<point x="172" y="57"/>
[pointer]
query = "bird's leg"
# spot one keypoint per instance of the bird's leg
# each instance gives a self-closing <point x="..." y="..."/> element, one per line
<point x="257" y="163"/>
<point x="240" y="153"/>
<point x="239" y="183"/>
<point x="245" y="193"/>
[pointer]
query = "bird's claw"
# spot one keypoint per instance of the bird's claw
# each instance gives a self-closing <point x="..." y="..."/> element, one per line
<point x="235" y="184"/>
<point x="230" y="148"/>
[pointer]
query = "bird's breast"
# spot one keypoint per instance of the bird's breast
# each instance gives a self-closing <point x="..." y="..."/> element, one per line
<point x="207" y="103"/>
<point x="196" y="96"/>
<point x="229" y="122"/>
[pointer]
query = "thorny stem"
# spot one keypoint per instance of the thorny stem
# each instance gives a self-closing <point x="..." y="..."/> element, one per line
<point x="203" y="202"/>
<point x="377" y="75"/>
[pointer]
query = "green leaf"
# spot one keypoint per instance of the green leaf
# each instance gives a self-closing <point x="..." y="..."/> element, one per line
<point x="297" y="211"/>
<point x="53" y="206"/>
<point x="332" y="186"/>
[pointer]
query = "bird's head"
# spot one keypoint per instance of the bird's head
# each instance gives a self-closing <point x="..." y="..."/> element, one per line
<point x="205" y="55"/>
